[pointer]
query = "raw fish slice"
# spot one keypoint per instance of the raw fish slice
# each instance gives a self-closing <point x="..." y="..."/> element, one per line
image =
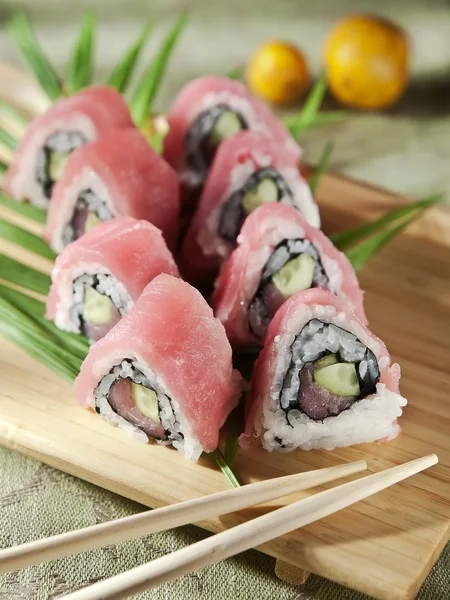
<point x="118" y="175"/>
<point x="117" y="258"/>
<point x="86" y="116"/>
<point x="241" y="286"/>
<point x="242" y="164"/>
<point x="171" y="344"/>
<point x="314" y="329"/>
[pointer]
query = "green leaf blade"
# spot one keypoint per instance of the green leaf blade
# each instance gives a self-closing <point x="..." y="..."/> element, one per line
<point x="148" y="87"/>
<point x="6" y="139"/>
<point x="322" y="166"/>
<point x="27" y="210"/>
<point x="17" y="273"/>
<point x="310" y="108"/>
<point x="21" y="31"/>
<point x="122" y="72"/>
<point x="11" y="113"/>
<point x="225" y="467"/>
<point x="81" y="61"/>
<point x="25" y="239"/>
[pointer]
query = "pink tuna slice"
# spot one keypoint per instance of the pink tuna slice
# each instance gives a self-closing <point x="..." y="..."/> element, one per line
<point x="172" y="330"/>
<point x="263" y="230"/>
<point x="95" y="111"/>
<point x="135" y="179"/>
<point x="205" y="92"/>
<point x="133" y="251"/>
<point x="290" y="319"/>
<point x="237" y="158"/>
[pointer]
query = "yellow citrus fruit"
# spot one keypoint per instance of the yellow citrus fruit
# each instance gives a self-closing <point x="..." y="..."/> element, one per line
<point x="278" y="72"/>
<point x="366" y="61"/>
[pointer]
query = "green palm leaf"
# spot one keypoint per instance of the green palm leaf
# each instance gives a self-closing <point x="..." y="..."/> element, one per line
<point x="81" y="61"/>
<point x="122" y="72"/>
<point x="27" y="210"/>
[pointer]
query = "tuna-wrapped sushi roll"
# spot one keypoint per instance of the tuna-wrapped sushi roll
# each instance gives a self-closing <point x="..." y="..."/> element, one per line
<point x="118" y="175"/>
<point x="164" y="371"/>
<point x="322" y="380"/>
<point x="205" y="112"/>
<point x="278" y="255"/>
<point x="70" y="123"/>
<point x="98" y="278"/>
<point x="249" y="170"/>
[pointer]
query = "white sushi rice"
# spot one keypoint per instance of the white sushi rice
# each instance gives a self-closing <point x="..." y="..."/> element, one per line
<point x="170" y="412"/>
<point x="208" y="237"/>
<point x="372" y="418"/>
<point x="71" y="294"/>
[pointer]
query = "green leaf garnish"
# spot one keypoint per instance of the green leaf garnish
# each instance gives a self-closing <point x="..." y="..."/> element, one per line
<point x="122" y="72"/>
<point x="21" y="31"/>
<point x="35" y="309"/>
<point x="12" y="114"/>
<point x="309" y="115"/>
<point x="147" y="88"/>
<point x="231" y="447"/>
<point x="236" y="73"/>
<point x="19" y="274"/>
<point x="226" y="469"/>
<point x="3" y="169"/>
<point x="25" y="239"/>
<point x="80" y="69"/>
<point x="322" y="166"/>
<point x="27" y="210"/>
<point x="23" y="331"/>
<point x="6" y="139"/>
<point x="343" y="239"/>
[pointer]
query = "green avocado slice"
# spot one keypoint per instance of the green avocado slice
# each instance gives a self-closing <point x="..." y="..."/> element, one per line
<point x="326" y="361"/>
<point x="57" y="162"/>
<point x="340" y="379"/>
<point x="91" y="221"/>
<point x="226" y="125"/>
<point x="146" y="401"/>
<point x="264" y="192"/>
<point x="98" y="308"/>
<point x="296" y="275"/>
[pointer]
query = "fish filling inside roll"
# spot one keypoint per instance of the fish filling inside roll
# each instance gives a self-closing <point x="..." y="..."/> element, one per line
<point x="99" y="302"/>
<point x="263" y="186"/>
<point x="293" y="266"/>
<point x="52" y="158"/>
<point x="209" y="129"/>
<point x="133" y="399"/>
<point x="328" y="369"/>
<point x="89" y="211"/>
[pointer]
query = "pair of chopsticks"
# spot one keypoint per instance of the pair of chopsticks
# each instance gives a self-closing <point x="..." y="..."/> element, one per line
<point x="217" y="547"/>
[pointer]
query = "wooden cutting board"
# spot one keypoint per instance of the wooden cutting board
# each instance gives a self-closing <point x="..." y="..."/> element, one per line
<point x="384" y="546"/>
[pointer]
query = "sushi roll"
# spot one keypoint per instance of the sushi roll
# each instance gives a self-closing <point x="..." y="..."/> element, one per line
<point x="117" y="175"/>
<point x="205" y="112"/>
<point x="278" y="255"/>
<point x="70" y="123"/>
<point x="164" y="371"/>
<point x="98" y="278"/>
<point x="322" y="380"/>
<point x="249" y="170"/>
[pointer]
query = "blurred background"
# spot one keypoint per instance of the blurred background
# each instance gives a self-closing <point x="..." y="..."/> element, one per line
<point x="405" y="148"/>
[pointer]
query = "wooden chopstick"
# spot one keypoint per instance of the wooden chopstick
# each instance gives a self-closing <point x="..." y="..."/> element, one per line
<point x="175" y="515"/>
<point x="248" y="535"/>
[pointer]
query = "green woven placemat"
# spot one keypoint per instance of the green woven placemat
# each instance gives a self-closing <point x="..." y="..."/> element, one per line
<point x="38" y="501"/>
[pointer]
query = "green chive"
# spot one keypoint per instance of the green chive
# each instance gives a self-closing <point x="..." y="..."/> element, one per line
<point x="6" y="139"/>
<point x="147" y="88"/>
<point x="236" y="73"/>
<point x="35" y="309"/>
<point x="12" y="114"/>
<point x="25" y="239"/>
<point x="345" y="238"/>
<point x="27" y="210"/>
<point x="226" y="469"/>
<point x="358" y="255"/>
<point x="123" y="71"/>
<point x="322" y="166"/>
<point x="25" y="333"/>
<point x="19" y="274"/>
<point x="81" y="61"/>
<point x="20" y="29"/>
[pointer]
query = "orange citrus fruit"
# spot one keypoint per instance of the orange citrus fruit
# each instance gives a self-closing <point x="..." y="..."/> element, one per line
<point x="278" y="72"/>
<point x="366" y="62"/>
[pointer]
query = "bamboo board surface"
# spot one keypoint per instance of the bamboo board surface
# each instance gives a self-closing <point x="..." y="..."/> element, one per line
<point x="384" y="546"/>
